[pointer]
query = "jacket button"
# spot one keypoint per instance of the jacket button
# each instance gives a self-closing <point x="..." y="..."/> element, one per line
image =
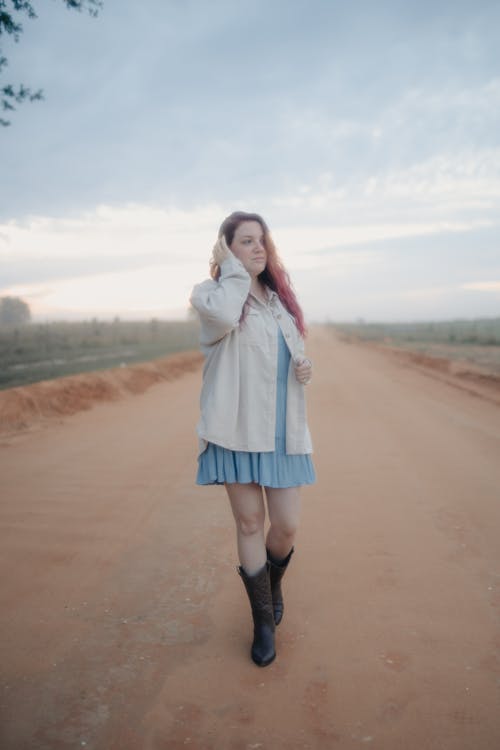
<point x="279" y="316"/>
<point x="287" y="335"/>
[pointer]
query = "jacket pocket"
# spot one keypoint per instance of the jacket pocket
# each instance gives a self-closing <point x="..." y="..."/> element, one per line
<point x="252" y="330"/>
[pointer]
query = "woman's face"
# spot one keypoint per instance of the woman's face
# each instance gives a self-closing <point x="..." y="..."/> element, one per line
<point x="248" y="246"/>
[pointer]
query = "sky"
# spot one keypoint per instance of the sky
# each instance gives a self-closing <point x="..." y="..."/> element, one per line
<point x="367" y="134"/>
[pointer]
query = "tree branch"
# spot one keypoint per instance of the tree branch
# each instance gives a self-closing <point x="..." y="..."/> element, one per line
<point x="9" y="24"/>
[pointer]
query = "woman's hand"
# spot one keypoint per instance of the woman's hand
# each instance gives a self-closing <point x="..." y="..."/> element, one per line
<point x="303" y="370"/>
<point x="220" y="251"/>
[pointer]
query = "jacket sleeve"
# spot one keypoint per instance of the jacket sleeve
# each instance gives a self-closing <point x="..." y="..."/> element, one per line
<point x="220" y="303"/>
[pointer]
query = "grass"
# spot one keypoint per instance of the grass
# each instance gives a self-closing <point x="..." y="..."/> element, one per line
<point x="474" y="341"/>
<point x="35" y="352"/>
<point x="481" y="332"/>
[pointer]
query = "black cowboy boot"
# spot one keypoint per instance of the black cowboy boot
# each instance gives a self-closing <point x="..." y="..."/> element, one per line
<point x="259" y="592"/>
<point x="277" y="571"/>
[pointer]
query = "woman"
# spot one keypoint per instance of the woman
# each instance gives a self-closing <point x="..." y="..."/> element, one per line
<point x="253" y="431"/>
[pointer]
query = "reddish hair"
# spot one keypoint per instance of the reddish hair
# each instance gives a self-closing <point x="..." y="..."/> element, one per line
<point x="275" y="276"/>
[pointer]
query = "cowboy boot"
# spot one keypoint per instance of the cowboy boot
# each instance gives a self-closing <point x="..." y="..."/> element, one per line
<point x="259" y="593"/>
<point x="277" y="571"/>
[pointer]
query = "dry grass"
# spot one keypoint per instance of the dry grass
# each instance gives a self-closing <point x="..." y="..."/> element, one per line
<point x="36" y="352"/>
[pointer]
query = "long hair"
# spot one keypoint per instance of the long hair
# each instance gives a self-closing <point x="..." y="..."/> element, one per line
<point x="275" y="276"/>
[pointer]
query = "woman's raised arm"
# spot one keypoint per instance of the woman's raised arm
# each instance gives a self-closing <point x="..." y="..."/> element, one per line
<point x="220" y="303"/>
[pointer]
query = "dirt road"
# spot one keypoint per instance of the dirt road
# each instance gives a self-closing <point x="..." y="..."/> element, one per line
<point x="124" y="625"/>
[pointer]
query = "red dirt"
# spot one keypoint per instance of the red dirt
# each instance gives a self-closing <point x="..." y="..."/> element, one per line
<point x="460" y="373"/>
<point x="25" y="406"/>
<point x="124" y="625"/>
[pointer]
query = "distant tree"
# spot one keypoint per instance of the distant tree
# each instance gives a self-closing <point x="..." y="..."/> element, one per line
<point x="14" y="311"/>
<point x="10" y="13"/>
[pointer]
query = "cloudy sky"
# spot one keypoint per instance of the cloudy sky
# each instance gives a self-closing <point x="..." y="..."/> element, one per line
<point x="366" y="133"/>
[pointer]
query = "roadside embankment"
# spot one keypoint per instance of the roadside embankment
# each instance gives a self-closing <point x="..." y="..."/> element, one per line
<point x="25" y="407"/>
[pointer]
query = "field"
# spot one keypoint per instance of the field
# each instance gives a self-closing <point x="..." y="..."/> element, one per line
<point x="36" y="352"/>
<point x="472" y="342"/>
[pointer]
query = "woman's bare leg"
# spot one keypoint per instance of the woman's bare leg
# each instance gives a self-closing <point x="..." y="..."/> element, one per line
<point x="284" y="512"/>
<point x="247" y="504"/>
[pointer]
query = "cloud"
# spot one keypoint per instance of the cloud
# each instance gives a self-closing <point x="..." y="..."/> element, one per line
<point x="455" y="192"/>
<point x="342" y="272"/>
<point x="425" y="224"/>
<point x="367" y="136"/>
<point x="196" y="111"/>
<point x="483" y="286"/>
<point x="159" y="291"/>
<point x="111" y="238"/>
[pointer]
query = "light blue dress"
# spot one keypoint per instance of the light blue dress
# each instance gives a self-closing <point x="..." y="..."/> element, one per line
<point x="217" y="465"/>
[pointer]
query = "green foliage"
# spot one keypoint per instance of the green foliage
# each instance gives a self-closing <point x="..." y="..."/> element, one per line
<point x="11" y="12"/>
<point x="13" y="311"/>
<point x="92" y="6"/>
<point x="49" y="350"/>
<point x="22" y="94"/>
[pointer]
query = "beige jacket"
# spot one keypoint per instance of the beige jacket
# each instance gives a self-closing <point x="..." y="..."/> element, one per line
<point x="238" y="396"/>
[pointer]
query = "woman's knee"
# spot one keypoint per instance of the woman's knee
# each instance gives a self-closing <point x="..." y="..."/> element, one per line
<point x="250" y="523"/>
<point x="286" y="529"/>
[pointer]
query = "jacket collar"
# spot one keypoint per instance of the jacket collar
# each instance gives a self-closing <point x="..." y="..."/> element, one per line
<point x="272" y="298"/>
